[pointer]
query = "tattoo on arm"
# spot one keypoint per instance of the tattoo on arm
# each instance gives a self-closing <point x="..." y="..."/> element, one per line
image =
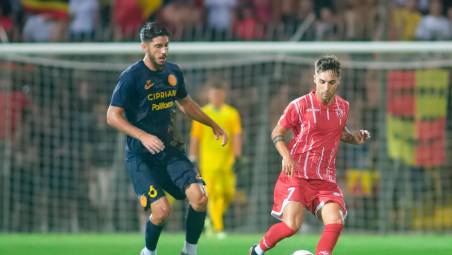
<point x="277" y="138"/>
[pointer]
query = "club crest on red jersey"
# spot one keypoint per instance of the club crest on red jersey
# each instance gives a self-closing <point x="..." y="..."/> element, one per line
<point x="340" y="113"/>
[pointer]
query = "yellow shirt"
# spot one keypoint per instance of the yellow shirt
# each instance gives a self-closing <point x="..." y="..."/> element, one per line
<point x="212" y="156"/>
<point x="406" y="21"/>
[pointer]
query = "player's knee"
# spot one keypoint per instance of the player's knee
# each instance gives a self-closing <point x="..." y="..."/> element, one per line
<point x="293" y="225"/>
<point x="160" y="214"/>
<point x="333" y="219"/>
<point x="199" y="204"/>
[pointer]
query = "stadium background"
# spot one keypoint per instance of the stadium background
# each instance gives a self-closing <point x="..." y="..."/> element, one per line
<point x="61" y="166"/>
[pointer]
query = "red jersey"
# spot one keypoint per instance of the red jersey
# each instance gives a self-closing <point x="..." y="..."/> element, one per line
<point x="317" y="129"/>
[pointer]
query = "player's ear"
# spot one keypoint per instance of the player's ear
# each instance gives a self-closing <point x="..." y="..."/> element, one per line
<point x="143" y="46"/>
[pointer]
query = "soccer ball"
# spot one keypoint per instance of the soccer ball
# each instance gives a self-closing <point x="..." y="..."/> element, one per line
<point x="302" y="252"/>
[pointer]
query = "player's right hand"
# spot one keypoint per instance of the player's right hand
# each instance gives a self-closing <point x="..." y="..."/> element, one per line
<point x="288" y="165"/>
<point x="219" y="132"/>
<point x="152" y="143"/>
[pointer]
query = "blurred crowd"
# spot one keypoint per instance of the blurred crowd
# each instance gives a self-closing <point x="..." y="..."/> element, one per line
<point x="226" y="20"/>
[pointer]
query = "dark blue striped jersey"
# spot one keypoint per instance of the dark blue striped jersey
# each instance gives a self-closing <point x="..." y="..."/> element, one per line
<point x="148" y="99"/>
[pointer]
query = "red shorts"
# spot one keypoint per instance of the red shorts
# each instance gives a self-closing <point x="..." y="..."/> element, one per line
<point x="313" y="194"/>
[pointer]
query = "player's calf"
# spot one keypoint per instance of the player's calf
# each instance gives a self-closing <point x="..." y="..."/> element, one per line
<point x="328" y="239"/>
<point x="274" y="234"/>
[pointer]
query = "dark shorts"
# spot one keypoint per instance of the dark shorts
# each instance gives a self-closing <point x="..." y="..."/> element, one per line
<point x="151" y="177"/>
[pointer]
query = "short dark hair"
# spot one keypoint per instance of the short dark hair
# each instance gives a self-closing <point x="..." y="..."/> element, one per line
<point x="328" y="63"/>
<point x="151" y="30"/>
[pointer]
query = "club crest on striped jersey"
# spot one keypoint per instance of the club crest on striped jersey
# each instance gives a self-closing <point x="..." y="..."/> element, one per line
<point x="172" y="80"/>
<point x="340" y="113"/>
<point x="148" y="84"/>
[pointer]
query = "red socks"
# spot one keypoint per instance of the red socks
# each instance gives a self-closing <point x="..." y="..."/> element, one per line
<point x="274" y="234"/>
<point x="280" y="231"/>
<point x="328" y="239"/>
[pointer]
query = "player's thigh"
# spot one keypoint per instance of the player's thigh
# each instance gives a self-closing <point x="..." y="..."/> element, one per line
<point x="230" y="182"/>
<point x="331" y="213"/>
<point x="220" y="182"/>
<point x="181" y="175"/>
<point x="146" y="184"/>
<point x="293" y="214"/>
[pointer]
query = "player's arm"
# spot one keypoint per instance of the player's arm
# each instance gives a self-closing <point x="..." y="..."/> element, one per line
<point x="354" y="137"/>
<point x="237" y="135"/>
<point x="192" y="109"/>
<point x="237" y="145"/>
<point x="116" y="119"/>
<point x="278" y="138"/>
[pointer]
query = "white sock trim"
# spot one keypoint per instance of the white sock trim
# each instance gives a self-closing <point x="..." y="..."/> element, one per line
<point x="258" y="250"/>
<point x="146" y="251"/>
<point x="190" y="249"/>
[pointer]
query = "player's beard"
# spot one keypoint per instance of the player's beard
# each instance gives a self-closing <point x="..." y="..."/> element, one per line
<point x="155" y="61"/>
<point x="326" y="97"/>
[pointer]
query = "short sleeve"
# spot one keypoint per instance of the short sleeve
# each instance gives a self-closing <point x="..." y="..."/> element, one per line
<point x="236" y="126"/>
<point x="181" y="91"/>
<point x="123" y="92"/>
<point x="196" y="129"/>
<point x="290" y="119"/>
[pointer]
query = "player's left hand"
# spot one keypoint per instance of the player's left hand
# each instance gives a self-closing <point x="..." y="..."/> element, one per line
<point x="219" y="132"/>
<point x="361" y="136"/>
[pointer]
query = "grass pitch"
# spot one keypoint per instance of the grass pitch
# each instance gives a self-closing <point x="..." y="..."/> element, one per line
<point x="170" y="244"/>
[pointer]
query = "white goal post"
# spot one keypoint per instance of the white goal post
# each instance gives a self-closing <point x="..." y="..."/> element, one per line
<point x="230" y="47"/>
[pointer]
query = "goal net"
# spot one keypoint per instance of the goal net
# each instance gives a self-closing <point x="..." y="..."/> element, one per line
<point x="62" y="169"/>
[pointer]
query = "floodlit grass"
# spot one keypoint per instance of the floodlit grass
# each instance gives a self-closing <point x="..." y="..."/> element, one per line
<point x="170" y="244"/>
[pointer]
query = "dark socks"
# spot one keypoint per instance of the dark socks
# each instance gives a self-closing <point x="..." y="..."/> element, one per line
<point x="194" y="225"/>
<point x="152" y="235"/>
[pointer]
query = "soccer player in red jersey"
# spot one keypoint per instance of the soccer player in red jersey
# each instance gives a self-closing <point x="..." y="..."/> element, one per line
<point x="308" y="175"/>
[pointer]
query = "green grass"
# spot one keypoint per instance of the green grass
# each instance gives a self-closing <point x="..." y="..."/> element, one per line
<point x="170" y="244"/>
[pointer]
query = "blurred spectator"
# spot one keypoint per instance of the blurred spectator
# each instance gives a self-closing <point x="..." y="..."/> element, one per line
<point x="192" y="20"/>
<point x="288" y="18"/>
<point x="84" y="14"/>
<point x="6" y="20"/>
<point x="150" y="7"/>
<point x="182" y="18"/>
<point x="360" y="20"/>
<point x="449" y="18"/>
<point x="263" y="11"/>
<point x="219" y="17"/>
<point x="404" y="21"/>
<point x="13" y="102"/>
<point x="434" y="26"/>
<point x="246" y="26"/>
<point x="46" y="20"/>
<point x="129" y="16"/>
<point x="305" y="30"/>
<point x="327" y="27"/>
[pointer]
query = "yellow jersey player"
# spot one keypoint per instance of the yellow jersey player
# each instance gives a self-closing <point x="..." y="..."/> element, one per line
<point x="216" y="162"/>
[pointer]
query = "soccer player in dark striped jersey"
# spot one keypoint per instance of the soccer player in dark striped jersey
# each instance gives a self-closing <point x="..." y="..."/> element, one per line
<point x="308" y="176"/>
<point x="143" y="106"/>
